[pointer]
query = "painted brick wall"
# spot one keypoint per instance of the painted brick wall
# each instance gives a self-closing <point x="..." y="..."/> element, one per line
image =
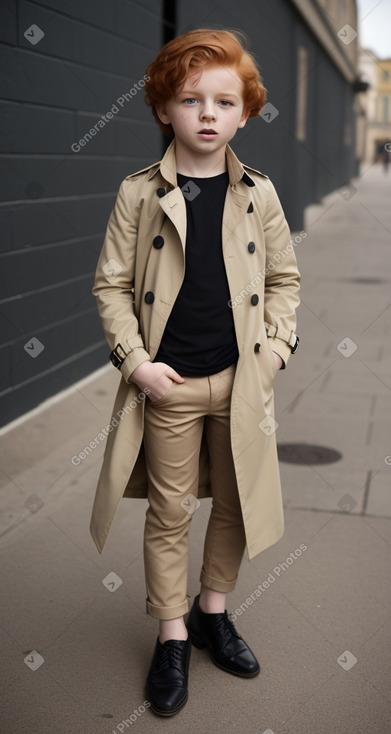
<point x="55" y="200"/>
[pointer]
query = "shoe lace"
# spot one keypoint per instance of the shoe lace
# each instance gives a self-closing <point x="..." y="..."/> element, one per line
<point x="170" y="656"/>
<point x="226" y="627"/>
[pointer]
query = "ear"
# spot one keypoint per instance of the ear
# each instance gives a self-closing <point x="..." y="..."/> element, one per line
<point x="161" y="111"/>
<point x="244" y="119"/>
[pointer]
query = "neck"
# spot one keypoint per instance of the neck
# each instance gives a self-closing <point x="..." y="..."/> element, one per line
<point x="200" y="165"/>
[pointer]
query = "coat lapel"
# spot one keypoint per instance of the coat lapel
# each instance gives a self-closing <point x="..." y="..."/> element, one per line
<point x="174" y="206"/>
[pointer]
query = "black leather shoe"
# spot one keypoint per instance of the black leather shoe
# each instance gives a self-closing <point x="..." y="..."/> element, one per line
<point x="167" y="677"/>
<point x="227" y="649"/>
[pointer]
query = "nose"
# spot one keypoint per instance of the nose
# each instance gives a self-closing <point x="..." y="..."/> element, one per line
<point x="207" y="111"/>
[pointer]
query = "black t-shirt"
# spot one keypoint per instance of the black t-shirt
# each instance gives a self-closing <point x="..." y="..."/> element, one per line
<point x="199" y="338"/>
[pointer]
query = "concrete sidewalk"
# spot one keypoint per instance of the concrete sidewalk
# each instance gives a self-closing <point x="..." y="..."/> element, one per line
<point x="76" y="651"/>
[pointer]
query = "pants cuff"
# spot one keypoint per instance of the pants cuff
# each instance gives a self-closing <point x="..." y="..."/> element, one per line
<point x="167" y="612"/>
<point x="217" y="584"/>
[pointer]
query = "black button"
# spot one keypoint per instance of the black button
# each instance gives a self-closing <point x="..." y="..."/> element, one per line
<point x="158" y="242"/>
<point x="257" y="347"/>
<point x="161" y="192"/>
<point x="254" y="299"/>
<point x="251" y="247"/>
<point x="149" y="297"/>
<point x="250" y="208"/>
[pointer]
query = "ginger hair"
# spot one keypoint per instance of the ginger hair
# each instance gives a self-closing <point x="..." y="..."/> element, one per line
<point x="196" y="49"/>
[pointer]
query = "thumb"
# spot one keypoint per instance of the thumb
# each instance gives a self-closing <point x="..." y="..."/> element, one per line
<point x="173" y="375"/>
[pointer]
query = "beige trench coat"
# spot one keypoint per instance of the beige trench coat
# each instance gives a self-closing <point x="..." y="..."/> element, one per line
<point x="264" y="285"/>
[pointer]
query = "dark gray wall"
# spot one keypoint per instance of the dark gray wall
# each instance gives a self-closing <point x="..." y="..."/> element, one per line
<point x="56" y="202"/>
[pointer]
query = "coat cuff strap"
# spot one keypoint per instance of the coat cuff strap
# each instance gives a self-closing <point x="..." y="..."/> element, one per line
<point x="287" y="336"/>
<point x="127" y="356"/>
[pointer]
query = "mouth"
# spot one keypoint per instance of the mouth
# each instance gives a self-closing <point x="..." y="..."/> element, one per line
<point x="208" y="133"/>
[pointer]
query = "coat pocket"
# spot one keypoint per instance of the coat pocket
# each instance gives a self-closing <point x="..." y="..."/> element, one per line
<point x="270" y="357"/>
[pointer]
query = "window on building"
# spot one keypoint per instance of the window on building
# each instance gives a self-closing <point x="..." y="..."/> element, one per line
<point x="301" y="95"/>
<point x="386" y="75"/>
<point x="385" y="109"/>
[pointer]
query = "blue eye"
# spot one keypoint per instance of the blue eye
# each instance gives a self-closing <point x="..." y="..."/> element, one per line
<point x="193" y="99"/>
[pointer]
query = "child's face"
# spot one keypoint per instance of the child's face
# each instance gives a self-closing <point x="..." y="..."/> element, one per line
<point x="213" y="102"/>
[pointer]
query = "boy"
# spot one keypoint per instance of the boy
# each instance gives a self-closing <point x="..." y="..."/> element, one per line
<point x="197" y="287"/>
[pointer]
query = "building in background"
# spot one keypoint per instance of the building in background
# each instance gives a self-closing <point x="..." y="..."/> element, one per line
<point x="74" y="124"/>
<point x="376" y="104"/>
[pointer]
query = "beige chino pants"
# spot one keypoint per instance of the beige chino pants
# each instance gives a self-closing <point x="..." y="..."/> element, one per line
<point x="172" y="438"/>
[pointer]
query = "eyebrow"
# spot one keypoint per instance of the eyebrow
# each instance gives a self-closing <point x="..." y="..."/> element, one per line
<point x="219" y="94"/>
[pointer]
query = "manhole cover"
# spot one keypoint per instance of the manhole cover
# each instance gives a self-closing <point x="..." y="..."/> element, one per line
<point x="303" y="453"/>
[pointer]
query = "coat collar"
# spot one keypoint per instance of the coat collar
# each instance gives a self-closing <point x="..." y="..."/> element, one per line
<point x="167" y="167"/>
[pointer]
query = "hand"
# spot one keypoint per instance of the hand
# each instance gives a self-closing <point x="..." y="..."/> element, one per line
<point x="156" y="376"/>
<point x="279" y="361"/>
